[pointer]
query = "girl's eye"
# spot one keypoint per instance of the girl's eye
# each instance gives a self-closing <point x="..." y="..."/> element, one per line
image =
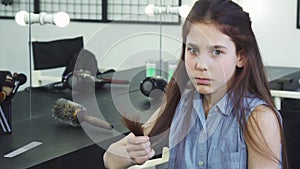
<point x="216" y="52"/>
<point x="193" y="50"/>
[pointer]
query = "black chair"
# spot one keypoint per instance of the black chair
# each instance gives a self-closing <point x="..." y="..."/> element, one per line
<point x="290" y="111"/>
<point x="56" y="54"/>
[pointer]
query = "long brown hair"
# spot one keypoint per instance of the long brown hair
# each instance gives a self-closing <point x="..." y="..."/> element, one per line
<point x="231" y="20"/>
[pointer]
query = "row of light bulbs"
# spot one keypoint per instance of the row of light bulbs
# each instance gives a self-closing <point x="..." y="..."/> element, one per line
<point x="182" y="11"/>
<point x="62" y="19"/>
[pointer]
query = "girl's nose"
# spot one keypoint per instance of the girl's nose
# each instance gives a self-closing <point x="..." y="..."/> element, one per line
<point x="200" y="64"/>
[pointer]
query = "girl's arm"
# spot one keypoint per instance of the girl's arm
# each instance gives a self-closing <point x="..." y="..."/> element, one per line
<point x="263" y="139"/>
<point x="128" y="151"/>
<point x="131" y="149"/>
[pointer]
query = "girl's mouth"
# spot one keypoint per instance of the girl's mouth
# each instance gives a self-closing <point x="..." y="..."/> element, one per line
<point x="202" y="81"/>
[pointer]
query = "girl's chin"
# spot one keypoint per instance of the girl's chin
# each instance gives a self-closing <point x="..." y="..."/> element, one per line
<point x="204" y="89"/>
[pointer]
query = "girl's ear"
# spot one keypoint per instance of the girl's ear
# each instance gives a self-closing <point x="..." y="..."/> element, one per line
<point x="241" y="60"/>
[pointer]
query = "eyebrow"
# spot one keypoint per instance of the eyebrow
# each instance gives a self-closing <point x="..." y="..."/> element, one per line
<point x="219" y="47"/>
<point x="192" y="45"/>
<point x="212" y="47"/>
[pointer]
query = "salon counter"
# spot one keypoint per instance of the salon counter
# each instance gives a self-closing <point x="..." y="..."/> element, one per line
<point x="61" y="143"/>
<point x="65" y="146"/>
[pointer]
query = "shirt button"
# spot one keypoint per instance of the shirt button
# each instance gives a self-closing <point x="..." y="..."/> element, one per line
<point x="200" y="163"/>
<point x="215" y="109"/>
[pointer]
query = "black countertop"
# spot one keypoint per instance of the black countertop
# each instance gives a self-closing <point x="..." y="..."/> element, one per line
<point x="60" y="139"/>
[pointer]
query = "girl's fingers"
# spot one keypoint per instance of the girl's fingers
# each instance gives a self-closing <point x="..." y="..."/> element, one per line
<point x="142" y="160"/>
<point x="132" y="139"/>
<point x="139" y="153"/>
<point x="139" y="148"/>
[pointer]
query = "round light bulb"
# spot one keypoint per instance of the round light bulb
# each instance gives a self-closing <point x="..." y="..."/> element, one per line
<point x="61" y="19"/>
<point x="149" y="10"/>
<point x="20" y="18"/>
<point x="184" y="10"/>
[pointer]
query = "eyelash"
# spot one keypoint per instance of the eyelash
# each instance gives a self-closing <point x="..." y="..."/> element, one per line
<point x="195" y="51"/>
<point x="218" y="52"/>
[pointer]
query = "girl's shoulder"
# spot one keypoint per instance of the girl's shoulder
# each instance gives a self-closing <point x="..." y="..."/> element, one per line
<point x="262" y="113"/>
<point x="252" y="102"/>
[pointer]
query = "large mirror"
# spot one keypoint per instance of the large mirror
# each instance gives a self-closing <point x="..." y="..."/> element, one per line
<point x="15" y="59"/>
<point x="110" y="30"/>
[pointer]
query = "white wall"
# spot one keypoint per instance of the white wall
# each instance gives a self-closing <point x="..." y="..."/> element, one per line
<point x="121" y="46"/>
<point x="274" y="23"/>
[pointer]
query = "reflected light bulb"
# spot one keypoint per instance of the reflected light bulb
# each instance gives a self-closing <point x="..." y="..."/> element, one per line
<point x="20" y="18"/>
<point x="149" y="10"/>
<point x="61" y="19"/>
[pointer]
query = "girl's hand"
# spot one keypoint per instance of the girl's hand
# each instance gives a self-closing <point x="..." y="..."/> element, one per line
<point x="139" y="148"/>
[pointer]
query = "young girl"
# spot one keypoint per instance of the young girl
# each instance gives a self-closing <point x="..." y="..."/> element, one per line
<point x="218" y="110"/>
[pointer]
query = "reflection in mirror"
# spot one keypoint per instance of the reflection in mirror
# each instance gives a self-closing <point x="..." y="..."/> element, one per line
<point x="162" y="41"/>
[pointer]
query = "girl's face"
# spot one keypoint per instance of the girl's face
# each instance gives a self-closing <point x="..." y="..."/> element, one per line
<point x="210" y="58"/>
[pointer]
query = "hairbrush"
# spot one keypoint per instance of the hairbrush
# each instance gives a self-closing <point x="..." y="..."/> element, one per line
<point x="70" y="112"/>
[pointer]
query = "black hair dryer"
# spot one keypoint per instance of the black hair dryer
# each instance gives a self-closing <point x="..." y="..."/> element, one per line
<point x="153" y="86"/>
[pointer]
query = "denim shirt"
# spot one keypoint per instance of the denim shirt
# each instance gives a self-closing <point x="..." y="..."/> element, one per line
<point x="215" y="142"/>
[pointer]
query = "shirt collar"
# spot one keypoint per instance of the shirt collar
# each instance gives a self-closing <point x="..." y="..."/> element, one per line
<point x="224" y="105"/>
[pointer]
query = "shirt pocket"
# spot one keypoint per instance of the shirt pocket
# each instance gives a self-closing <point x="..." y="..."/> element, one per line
<point x="233" y="160"/>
